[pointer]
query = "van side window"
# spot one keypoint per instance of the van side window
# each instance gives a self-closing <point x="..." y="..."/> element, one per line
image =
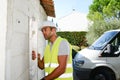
<point x="114" y="48"/>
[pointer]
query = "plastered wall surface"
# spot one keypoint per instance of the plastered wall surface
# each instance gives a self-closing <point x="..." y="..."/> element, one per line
<point x="19" y="42"/>
<point x="3" y="28"/>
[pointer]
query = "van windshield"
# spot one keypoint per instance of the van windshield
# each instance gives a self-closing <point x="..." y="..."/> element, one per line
<point x="101" y="42"/>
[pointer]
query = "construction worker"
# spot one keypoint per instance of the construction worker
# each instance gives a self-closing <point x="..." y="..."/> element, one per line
<point x="57" y="60"/>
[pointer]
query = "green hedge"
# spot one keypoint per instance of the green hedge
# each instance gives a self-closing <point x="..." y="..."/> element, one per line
<point x="75" y="38"/>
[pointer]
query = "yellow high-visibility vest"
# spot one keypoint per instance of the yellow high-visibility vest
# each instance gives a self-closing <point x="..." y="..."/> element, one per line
<point x="51" y="61"/>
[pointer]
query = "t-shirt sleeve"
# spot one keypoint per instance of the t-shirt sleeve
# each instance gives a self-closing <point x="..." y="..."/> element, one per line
<point x="64" y="48"/>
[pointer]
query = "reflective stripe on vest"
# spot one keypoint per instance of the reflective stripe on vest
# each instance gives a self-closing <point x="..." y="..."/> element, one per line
<point x="51" y="61"/>
<point x="54" y="65"/>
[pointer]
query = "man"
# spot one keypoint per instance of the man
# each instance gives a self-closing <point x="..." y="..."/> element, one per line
<point x="57" y="60"/>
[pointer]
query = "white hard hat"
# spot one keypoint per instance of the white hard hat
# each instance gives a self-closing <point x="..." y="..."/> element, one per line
<point x="48" y="23"/>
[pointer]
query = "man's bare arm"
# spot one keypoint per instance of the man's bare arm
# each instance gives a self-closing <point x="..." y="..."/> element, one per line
<point x="62" y="61"/>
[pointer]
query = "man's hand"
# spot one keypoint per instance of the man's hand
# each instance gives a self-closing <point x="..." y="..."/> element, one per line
<point x="33" y="55"/>
<point x="40" y="62"/>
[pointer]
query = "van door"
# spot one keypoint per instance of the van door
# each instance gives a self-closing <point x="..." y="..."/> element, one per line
<point x="114" y="58"/>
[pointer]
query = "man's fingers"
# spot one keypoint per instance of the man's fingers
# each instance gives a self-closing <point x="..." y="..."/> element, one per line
<point x="33" y="55"/>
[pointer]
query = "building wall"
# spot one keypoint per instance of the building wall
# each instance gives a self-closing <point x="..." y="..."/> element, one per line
<point x="24" y="17"/>
<point x="3" y="26"/>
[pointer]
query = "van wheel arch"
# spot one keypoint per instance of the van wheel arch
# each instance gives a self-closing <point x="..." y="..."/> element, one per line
<point x="102" y="72"/>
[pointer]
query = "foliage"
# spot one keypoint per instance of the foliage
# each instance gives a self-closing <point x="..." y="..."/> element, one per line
<point x="99" y="27"/>
<point x="104" y="9"/>
<point x="75" y="38"/>
<point x="105" y="15"/>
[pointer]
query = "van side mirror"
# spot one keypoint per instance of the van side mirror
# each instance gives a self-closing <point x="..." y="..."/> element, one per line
<point x="109" y="49"/>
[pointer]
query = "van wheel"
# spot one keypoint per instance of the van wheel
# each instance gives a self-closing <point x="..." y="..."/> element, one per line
<point x="103" y="74"/>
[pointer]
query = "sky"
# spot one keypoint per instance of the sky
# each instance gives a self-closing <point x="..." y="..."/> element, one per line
<point x="66" y="18"/>
<point x="64" y="7"/>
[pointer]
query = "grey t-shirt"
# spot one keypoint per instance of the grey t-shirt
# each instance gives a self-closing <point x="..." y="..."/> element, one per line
<point x="64" y="48"/>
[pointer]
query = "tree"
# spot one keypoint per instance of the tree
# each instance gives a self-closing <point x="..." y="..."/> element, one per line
<point x="104" y="15"/>
<point x="104" y="10"/>
<point x="99" y="27"/>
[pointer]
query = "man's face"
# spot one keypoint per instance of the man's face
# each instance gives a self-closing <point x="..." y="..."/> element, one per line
<point x="47" y="32"/>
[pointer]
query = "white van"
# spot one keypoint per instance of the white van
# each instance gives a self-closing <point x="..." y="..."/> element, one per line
<point x="101" y="60"/>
